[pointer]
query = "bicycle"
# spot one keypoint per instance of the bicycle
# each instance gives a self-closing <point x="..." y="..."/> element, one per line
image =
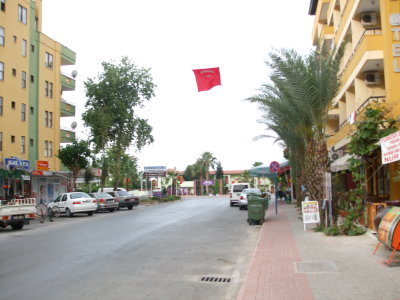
<point x="45" y="212"/>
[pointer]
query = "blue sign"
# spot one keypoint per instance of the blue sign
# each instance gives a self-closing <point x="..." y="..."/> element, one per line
<point x="11" y="163"/>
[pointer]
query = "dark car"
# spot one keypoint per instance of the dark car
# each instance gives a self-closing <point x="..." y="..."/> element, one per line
<point x="105" y="201"/>
<point x="125" y="199"/>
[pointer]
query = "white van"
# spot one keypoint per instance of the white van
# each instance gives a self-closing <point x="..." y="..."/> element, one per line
<point x="236" y="190"/>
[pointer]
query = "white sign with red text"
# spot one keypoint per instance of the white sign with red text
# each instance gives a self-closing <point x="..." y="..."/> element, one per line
<point x="390" y="146"/>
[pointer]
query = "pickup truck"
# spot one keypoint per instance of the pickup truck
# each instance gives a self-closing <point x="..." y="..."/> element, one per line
<point x="17" y="212"/>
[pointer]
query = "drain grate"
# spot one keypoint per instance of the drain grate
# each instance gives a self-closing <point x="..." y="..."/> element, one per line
<point x="215" y="279"/>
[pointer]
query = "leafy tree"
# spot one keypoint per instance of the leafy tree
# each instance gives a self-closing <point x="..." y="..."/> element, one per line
<point x="171" y="180"/>
<point x="219" y="173"/>
<point x="75" y="157"/>
<point x="110" y="109"/>
<point x="206" y="161"/>
<point x="257" y="164"/>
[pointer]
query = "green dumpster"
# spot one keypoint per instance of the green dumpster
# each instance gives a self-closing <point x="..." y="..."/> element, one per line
<point x="256" y="209"/>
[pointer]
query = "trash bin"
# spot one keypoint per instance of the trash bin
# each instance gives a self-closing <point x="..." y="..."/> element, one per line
<point x="256" y="209"/>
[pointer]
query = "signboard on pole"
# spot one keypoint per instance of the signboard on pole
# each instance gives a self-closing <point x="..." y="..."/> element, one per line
<point x="310" y="212"/>
<point x="155" y="171"/>
<point x="390" y="146"/>
<point x="274" y="167"/>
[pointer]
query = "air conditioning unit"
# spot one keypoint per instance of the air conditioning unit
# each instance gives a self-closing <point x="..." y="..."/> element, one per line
<point x="334" y="155"/>
<point x="372" y="78"/>
<point x="368" y="19"/>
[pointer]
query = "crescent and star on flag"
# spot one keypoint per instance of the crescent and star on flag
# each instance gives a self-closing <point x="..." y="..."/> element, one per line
<point x="206" y="79"/>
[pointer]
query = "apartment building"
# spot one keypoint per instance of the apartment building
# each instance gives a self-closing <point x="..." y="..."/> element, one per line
<point x="370" y="72"/>
<point x="31" y="99"/>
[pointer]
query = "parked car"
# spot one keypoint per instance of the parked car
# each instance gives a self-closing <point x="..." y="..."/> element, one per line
<point x="236" y="189"/>
<point x="105" y="201"/>
<point x="75" y="202"/>
<point x="243" y="196"/>
<point x="125" y="199"/>
<point x="110" y="189"/>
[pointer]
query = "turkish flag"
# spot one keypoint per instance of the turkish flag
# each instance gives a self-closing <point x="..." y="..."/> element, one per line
<point x="207" y="78"/>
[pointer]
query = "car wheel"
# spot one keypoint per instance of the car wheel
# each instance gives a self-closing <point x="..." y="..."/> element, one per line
<point x="90" y="213"/>
<point x="240" y="208"/>
<point x="68" y="213"/>
<point x="111" y="209"/>
<point x="130" y="207"/>
<point x="17" y="226"/>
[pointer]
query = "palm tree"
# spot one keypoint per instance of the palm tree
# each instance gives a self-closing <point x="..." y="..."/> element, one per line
<point x="171" y="179"/>
<point x="296" y="106"/>
<point x="206" y="161"/>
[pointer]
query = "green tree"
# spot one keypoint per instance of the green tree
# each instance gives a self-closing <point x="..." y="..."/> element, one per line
<point x="296" y="107"/>
<point x="110" y="109"/>
<point x="207" y="161"/>
<point x="257" y="164"/>
<point x="219" y="172"/>
<point x="75" y="157"/>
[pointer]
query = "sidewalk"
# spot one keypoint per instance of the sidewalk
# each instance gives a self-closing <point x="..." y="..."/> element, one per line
<point x="290" y="263"/>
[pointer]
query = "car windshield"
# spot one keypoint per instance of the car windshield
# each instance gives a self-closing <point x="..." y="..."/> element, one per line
<point x="103" y="195"/>
<point x="123" y="193"/>
<point x="239" y="187"/>
<point x="79" y="195"/>
<point x="252" y="191"/>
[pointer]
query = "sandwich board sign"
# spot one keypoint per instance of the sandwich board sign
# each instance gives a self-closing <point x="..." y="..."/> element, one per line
<point x="310" y="212"/>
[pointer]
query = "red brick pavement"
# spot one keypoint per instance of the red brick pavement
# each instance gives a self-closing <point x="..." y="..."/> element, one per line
<point x="272" y="274"/>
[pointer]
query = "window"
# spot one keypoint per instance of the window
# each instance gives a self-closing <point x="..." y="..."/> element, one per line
<point x="50" y="119"/>
<point x="31" y="142"/>
<point x="22" y="144"/>
<point x="50" y="149"/>
<point x="23" y="83"/>
<point x="14" y="39"/>
<point x="2" y="33"/>
<point x="13" y="104"/>
<point x="51" y="90"/>
<point x="23" y="112"/>
<point x="14" y="72"/>
<point x="3" y="5"/>
<point x="46" y="118"/>
<point x="1" y="141"/>
<point x="1" y="106"/>
<point x="22" y="12"/>
<point x="32" y="48"/>
<point x="12" y="139"/>
<point x="46" y="88"/>
<point x="1" y="70"/>
<point x="32" y="79"/>
<point x="32" y="110"/>
<point x="48" y="60"/>
<point x="24" y="46"/>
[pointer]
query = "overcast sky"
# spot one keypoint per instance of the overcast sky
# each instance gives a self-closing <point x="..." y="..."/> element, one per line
<point x="173" y="38"/>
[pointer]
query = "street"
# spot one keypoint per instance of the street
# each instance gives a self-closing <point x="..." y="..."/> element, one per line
<point x="152" y="252"/>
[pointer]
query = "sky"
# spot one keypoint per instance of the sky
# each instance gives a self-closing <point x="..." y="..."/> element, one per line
<point x="172" y="38"/>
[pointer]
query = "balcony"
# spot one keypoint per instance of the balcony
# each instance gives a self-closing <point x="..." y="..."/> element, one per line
<point x="67" y="135"/>
<point x="68" y="57"/>
<point x="67" y="83"/>
<point x="67" y="109"/>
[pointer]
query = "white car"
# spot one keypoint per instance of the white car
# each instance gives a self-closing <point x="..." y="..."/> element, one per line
<point x="243" y="196"/>
<point x="75" y="202"/>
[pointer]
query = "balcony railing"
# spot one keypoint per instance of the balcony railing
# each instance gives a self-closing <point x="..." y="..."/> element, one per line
<point x="376" y="99"/>
<point x="67" y="109"/>
<point x="67" y="135"/>
<point x="67" y="83"/>
<point x="367" y="31"/>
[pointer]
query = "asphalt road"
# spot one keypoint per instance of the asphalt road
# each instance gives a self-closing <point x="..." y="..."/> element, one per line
<point x="152" y="252"/>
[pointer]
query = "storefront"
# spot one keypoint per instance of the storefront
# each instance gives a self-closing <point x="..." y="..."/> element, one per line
<point x="47" y="185"/>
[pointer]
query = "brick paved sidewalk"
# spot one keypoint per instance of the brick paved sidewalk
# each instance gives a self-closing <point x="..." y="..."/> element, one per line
<point x="290" y="263"/>
<point x="271" y="274"/>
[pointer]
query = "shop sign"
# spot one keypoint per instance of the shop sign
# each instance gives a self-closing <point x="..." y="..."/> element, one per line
<point x="37" y="173"/>
<point x="207" y="182"/>
<point x="16" y="163"/>
<point x="42" y="165"/>
<point x="390" y="146"/>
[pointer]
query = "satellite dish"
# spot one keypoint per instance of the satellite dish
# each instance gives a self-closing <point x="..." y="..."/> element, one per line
<point x="74" y="73"/>
<point x="74" y="124"/>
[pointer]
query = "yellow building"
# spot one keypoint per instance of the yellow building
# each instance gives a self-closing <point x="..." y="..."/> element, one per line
<point x="31" y="88"/>
<point x="370" y="72"/>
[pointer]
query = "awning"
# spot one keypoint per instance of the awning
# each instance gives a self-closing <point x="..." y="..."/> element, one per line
<point x="341" y="163"/>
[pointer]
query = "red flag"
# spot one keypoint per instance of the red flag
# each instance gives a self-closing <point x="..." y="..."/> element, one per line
<point x="207" y="78"/>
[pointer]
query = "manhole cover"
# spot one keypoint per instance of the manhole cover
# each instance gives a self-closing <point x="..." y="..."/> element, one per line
<point x="316" y="267"/>
<point x="215" y="279"/>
